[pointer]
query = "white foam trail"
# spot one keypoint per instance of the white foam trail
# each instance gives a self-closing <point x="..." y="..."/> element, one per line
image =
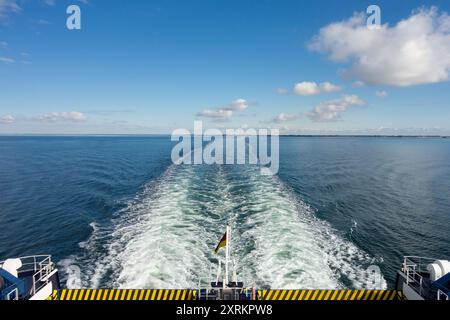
<point x="165" y="238"/>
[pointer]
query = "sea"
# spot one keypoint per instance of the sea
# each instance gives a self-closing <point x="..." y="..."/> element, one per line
<point x="115" y="212"/>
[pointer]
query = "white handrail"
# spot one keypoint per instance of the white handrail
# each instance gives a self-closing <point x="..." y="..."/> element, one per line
<point x="16" y="294"/>
<point x="442" y="296"/>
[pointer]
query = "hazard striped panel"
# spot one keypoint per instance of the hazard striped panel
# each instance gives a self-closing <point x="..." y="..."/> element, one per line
<point x="116" y="294"/>
<point x="319" y="295"/>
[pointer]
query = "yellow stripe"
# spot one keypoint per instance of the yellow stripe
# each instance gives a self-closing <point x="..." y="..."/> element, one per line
<point x="341" y="293"/>
<point x="334" y="294"/>
<point x="327" y="296"/>
<point x="302" y="293"/>
<point x="295" y="294"/>
<point x="360" y="295"/>
<point x="283" y="293"/>
<point x="276" y="294"/>
<point x="347" y="294"/>
<point x="374" y="294"/>
<point x="166" y="292"/>
<point x="111" y="295"/>
<point x="393" y="295"/>
<point x="75" y="295"/>
<point x="367" y="295"/>
<point x="380" y="294"/>
<point x="172" y="294"/>
<point x="308" y="294"/>
<point x="314" y="295"/>
<point x="177" y="297"/>
<point x="86" y="294"/>
<point x="322" y="293"/>
<point x="289" y="294"/>
<point x="353" y="295"/>
<point x="387" y="295"/>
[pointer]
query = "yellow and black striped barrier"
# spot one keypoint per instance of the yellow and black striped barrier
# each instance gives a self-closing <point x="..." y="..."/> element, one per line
<point x="263" y="295"/>
<point x="122" y="294"/>
<point x="329" y="295"/>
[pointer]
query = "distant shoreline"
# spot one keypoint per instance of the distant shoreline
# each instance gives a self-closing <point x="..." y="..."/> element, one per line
<point x="168" y="135"/>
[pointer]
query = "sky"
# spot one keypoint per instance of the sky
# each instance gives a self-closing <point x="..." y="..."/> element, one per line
<point x="150" y="67"/>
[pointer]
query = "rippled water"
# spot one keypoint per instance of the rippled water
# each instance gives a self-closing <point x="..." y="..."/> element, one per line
<point x="116" y="208"/>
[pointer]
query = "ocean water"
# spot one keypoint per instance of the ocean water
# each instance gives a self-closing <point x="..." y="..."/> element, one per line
<point x="115" y="212"/>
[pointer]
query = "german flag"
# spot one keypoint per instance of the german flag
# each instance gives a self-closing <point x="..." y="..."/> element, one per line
<point x="222" y="243"/>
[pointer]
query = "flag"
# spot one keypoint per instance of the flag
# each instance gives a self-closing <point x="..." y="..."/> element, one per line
<point x="222" y="243"/>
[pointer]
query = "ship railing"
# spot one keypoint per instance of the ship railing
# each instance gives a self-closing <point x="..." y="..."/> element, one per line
<point x="41" y="277"/>
<point x="441" y="295"/>
<point x="13" y="294"/>
<point x="39" y="267"/>
<point x="417" y="264"/>
<point x="414" y="267"/>
<point x="33" y="263"/>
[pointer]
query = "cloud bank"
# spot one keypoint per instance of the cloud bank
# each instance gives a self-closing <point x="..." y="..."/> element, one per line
<point x="73" y="116"/>
<point x="414" y="51"/>
<point x="331" y="111"/>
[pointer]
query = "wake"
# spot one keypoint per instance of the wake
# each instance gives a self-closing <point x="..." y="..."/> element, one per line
<point x="165" y="237"/>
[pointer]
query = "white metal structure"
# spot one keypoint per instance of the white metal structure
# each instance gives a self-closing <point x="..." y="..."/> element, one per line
<point x="419" y="277"/>
<point x="29" y="278"/>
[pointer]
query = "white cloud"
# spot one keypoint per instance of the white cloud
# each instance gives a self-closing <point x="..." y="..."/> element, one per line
<point x="218" y="114"/>
<point x="7" y="6"/>
<point x="238" y="105"/>
<point x="72" y="116"/>
<point x="313" y="88"/>
<point x="282" y="91"/>
<point x="283" y="117"/>
<point x="3" y="44"/>
<point x="330" y="111"/>
<point x="7" y="60"/>
<point x="381" y="94"/>
<point x="7" y="119"/>
<point x="414" y="51"/>
<point x="226" y="112"/>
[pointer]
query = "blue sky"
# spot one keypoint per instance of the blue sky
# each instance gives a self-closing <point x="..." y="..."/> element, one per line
<point x="154" y="66"/>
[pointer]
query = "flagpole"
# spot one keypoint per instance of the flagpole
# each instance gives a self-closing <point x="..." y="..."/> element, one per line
<point x="227" y="255"/>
